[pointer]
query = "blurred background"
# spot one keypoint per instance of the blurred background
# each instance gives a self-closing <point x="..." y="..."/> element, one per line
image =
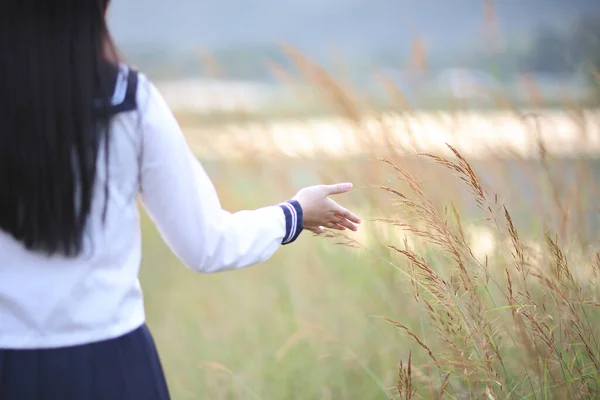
<point x="274" y="96"/>
<point x="429" y="49"/>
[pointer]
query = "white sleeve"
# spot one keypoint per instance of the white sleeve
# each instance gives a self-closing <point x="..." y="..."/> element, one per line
<point x="182" y="201"/>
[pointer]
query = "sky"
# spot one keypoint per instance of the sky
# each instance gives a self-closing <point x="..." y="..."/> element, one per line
<point x="179" y="25"/>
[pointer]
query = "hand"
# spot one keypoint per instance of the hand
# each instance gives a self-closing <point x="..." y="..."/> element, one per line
<point x="320" y="211"/>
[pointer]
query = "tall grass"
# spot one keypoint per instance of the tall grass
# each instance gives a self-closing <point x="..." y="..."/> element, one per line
<point x="457" y="286"/>
<point x="521" y="324"/>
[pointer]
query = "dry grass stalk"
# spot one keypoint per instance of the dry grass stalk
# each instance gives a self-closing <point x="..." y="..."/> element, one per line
<point x="596" y="75"/>
<point x="415" y="337"/>
<point x="336" y="94"/>
<point x="210" y="64"/>
<point x="404" y="382"/>
<point x="535" y="325"/>
<point x="491" y="20"/>
<point x="342" y="239"/>
<point x="439" y="234"/>
<point x="532" y="90"/>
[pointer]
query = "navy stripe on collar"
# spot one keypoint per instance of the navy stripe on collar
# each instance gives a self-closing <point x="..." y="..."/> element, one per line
<point x="125" y="95"/>
<point x="124" y="92"/>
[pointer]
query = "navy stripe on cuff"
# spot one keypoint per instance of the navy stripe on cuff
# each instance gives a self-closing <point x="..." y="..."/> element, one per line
<point x="294" y="220"/>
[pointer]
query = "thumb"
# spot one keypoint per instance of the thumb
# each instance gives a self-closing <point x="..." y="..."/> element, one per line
<point x="338" y="188"/>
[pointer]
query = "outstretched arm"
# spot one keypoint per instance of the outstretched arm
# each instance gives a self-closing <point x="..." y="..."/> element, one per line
<point x="182" y="201"/>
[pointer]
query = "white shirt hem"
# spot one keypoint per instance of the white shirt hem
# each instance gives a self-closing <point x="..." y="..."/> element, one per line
<point x="25" y="342"/>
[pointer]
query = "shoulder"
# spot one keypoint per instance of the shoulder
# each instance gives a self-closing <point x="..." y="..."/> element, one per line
<point x="133" y="90"/>
<point x="150" y="101"/>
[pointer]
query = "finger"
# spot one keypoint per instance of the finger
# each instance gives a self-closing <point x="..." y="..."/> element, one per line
<point x="338" y="188"/>
<point x="335" y="226"/>
<point x="344" y="222"/>
<point x="317" y="231"/>
<point x="342" y="212"/>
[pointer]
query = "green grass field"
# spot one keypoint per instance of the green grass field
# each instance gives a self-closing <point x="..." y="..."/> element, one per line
<point x="469" y="279"/>
<point x="304" y="325"/>
<point x="308" y="324"/>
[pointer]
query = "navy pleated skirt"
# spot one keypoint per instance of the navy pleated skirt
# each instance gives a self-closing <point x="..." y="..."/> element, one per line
<point x="125" y="368"/>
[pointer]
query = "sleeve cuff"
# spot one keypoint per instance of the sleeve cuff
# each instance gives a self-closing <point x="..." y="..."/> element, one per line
<point x="294" y="220"/>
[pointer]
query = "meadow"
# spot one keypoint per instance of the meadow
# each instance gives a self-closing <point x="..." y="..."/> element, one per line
<point x="474" y="274"/>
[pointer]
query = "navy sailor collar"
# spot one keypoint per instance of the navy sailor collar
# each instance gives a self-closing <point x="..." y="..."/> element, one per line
<point x="124" y="97"/>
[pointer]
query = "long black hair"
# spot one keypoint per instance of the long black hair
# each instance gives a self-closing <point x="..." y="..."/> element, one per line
<point x="57" y="71"/>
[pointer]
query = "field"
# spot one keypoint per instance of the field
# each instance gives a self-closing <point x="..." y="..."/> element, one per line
<point x="474" y="275"/>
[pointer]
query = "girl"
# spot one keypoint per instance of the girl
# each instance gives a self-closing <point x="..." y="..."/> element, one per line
<point x="81" y="135"/>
